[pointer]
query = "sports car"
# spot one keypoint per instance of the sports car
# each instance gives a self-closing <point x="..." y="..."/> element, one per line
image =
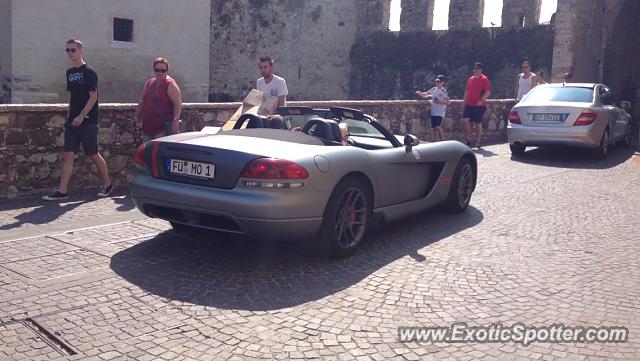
<point x="267" y="181"/>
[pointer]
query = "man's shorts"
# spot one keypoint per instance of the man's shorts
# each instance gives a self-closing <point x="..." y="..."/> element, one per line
<point x="86" y="133"/>
<point x="475" y="113"/>
<point x="436" y="121"/>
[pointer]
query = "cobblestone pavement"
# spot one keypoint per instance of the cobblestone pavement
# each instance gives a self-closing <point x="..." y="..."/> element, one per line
<point x="551" y="237"/>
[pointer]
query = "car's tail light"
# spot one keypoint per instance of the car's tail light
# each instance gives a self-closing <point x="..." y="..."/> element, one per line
<point x="272" y="168"/>
<point x="514" y="118"/>
<point x="586" y="119"/>
<point x="139" y="158"/>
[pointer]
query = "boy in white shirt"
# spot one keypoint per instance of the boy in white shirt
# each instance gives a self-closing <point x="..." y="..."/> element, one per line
<point x="439" y="101"/>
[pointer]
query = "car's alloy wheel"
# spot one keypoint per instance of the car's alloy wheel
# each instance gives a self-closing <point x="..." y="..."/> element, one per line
<point x="465" y="185"/>
<point x="346" y="219"/>
<point x="350" y="218"/>
<point x="462" y="187"/>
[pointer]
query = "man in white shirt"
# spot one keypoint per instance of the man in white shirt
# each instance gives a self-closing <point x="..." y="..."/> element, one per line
<point x="271" y="84"/>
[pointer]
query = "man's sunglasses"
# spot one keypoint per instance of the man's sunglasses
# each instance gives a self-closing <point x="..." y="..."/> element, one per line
<point x="70" y="50"/>
<point x="160" y="70"/>
<point x="438" y="81"/>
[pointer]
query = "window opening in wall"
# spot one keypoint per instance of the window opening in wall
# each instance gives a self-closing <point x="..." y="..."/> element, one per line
<point x="441" y="15"/>
<point x="394" y="15"/>
<point x="492" y="14"/>
<point x="547" y="9"/>
<point x="122" y="29"/>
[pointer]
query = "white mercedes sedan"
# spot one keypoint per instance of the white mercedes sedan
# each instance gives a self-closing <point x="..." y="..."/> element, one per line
<point x="573" y="114"/>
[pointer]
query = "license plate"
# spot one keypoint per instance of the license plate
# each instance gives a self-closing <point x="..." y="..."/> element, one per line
<point x="549" y="117"/>
<point x="192" y="169"/>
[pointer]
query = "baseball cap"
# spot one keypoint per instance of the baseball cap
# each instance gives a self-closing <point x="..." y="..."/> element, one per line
<point x="440" y="77"/>
<point x="477" y="65"/>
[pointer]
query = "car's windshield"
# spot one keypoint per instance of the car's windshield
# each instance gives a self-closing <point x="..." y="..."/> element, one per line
<point x="362" y="128"/>
<point x="568" y="94"/>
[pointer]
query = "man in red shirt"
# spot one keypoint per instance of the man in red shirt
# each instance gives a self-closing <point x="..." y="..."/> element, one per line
<point x="475" y="104"/>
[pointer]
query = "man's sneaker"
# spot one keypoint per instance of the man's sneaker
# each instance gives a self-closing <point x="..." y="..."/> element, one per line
<point x="56" y="195"/>
<point x="105" y="190"/>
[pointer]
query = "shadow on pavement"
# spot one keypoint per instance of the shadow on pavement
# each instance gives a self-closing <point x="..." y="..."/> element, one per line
<point x="235" y="273"/>
<point x="43" y="212"/>
<point x="124" y="202"/>
<point x="569" y="157"/>
<point x="484" y="152"/>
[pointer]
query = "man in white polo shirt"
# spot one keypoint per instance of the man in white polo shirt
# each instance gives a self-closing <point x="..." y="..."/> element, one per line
<point x="271" y="84"/>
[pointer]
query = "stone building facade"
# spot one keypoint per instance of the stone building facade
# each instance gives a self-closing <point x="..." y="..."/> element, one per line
<point x="325" y="49"/>
<point x="33" y="35"/>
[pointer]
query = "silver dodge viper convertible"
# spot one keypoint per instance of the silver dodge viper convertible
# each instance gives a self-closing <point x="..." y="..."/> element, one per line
<point x="267" y="181"/>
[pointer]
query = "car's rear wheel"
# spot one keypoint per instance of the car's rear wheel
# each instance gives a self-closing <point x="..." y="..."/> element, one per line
<point x="517" y="148"/>
<point x="461" y="187"/>
<point x="347" y="218"/>
<point x="603" y="148"/>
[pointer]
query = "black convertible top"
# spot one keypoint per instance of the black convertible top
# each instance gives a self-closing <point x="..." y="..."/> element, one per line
<point x="275" y="134"/>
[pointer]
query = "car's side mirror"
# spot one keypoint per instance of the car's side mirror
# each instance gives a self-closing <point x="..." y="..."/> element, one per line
<point x="410" y="141"/>
<point x="626" y="106"/>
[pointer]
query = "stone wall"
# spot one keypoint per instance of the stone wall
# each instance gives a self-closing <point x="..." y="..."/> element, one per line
<point x="31" y="137"/>
<point x="309" y="41"/>
<point x="393" y="66"/>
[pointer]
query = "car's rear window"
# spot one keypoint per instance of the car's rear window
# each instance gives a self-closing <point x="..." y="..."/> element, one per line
<point x="568" y="94"/>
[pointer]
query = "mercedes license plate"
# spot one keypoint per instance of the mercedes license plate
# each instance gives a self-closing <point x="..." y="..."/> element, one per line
<point x="549" y="117"/>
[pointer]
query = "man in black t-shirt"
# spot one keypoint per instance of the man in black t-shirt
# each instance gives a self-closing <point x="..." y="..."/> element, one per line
<point x="81" y="126"/>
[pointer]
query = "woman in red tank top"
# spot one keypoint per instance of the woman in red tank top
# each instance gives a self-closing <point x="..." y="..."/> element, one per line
<point x="161" y="103"/>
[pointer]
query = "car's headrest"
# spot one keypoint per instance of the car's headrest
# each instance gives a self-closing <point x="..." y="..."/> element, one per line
<point x="277" y="123"/>
<point x="253" y="121"/>
<point x="326" y="129"/>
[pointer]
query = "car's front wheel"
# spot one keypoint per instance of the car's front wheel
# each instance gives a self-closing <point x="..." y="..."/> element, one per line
<point x="462" y="186"/>
<point x="346" y="219"/>
<point x="603" y="148"/>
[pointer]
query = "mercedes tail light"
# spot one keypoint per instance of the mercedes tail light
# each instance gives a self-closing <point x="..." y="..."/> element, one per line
<point x="586" y="119"/>
<point x="139" y="158"/>
<point x="272" y="168"/>
<point x="514" y="118"/>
